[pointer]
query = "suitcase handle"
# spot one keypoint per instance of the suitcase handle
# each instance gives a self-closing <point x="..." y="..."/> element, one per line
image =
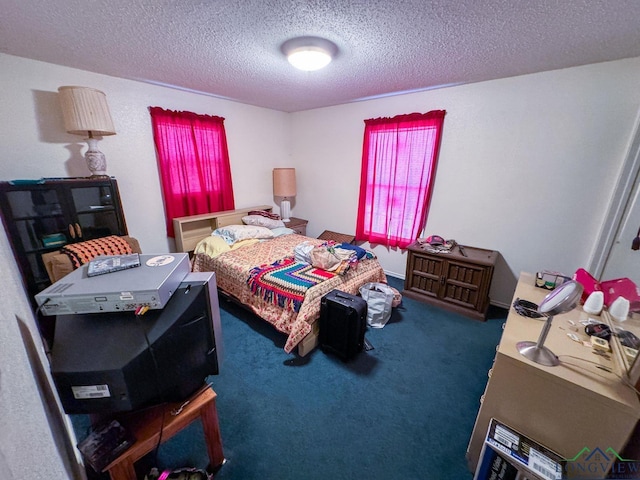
<point x="338" y="295"/>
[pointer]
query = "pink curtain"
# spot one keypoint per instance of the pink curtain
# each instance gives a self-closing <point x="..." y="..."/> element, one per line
<point x="194" y="163"/>
<point x="399" y="158"/>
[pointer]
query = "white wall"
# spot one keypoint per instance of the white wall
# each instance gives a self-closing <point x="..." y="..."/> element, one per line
<point x="34" y="144"/>
<point x="527" y="167"/>
<point x="527" y="164"/>
<point x="33" y="440"/>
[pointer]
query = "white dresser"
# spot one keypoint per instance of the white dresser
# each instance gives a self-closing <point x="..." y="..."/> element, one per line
<point x="565" y="408"/>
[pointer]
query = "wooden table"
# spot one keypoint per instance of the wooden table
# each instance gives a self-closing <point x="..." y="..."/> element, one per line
<point x="156" y="423"/>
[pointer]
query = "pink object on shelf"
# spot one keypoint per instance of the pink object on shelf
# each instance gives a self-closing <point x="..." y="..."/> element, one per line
<point x="588" y="282"/>
<point x="611" y="289"/>
<point x="621" y="287"/>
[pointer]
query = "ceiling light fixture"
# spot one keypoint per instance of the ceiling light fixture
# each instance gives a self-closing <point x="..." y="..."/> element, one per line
<point x="309" y="53"/>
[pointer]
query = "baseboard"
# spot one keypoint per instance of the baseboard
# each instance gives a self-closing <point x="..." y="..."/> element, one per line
<point x="402" y="277"/>
<point x="506" y="306"/>
<point x="398" y="276"/>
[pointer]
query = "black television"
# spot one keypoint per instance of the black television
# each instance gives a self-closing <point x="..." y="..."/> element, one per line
<point x="116" y="362"/>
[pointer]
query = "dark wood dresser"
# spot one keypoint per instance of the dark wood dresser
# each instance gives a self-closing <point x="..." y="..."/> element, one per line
<point x="451" y="280"/>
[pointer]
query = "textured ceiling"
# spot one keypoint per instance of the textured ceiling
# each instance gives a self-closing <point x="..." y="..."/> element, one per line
<point x="231" y="48"/>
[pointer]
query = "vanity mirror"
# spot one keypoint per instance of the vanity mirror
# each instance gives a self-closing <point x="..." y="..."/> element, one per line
<point x="626" y="336"/>
<point x="617" y="258"/>
<point x="561" y="300"/>
<point x="624" y="325"/>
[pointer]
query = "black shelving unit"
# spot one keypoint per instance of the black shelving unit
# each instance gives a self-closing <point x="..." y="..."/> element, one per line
<point x="43" y="215"/>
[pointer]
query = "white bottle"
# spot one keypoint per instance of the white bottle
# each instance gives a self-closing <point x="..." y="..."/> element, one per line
<point x="594" y="303"/>
<point x="619" y="309"/>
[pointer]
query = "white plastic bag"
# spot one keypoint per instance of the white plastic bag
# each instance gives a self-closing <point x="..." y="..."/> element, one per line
<point x="379" y="297"/>
<point x="302" y="252"/>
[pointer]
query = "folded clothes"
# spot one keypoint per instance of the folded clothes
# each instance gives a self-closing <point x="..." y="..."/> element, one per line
<point x="272" y="216"/>
<point x="360" y="252"/>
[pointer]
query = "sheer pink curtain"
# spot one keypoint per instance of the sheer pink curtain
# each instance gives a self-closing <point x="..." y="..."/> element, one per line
<point x="194" y="163"/>
<point x="399" y="158"/>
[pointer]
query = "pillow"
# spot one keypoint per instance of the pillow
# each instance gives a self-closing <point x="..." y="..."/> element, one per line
<point x="235" y="233"/>
<point x="282" y="231"/>
<point x="261" y="221"/>
<point x="212" y="246"/>
<point x="61" y="265"/>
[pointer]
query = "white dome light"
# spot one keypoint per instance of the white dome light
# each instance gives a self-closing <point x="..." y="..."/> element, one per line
<point x="309" y="53"/>
<point x="309" y="58"/>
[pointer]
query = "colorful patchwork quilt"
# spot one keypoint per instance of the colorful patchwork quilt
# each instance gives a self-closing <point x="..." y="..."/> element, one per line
<point x="285" y="282"/>
<point x="233" y="268"/>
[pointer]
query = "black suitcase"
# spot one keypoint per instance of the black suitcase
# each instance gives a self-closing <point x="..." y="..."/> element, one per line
<point x="343" y="322"/>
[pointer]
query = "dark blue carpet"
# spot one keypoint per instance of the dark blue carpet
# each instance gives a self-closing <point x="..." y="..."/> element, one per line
<point x="404" y="410"/>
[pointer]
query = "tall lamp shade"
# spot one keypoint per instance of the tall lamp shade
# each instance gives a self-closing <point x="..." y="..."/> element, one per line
<point x="85" y="112"/>
<point x="284" y="185"/>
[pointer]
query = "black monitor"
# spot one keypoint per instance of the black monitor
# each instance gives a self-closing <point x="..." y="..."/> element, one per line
<point x="115" y="362"/>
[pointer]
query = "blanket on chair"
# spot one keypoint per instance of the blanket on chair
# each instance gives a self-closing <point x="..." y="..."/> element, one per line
<point x="83" y="252"/>
<point x="285" y="282"/>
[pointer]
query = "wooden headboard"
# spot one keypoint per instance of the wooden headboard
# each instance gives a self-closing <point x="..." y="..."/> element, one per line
<point x="190" y="230"/>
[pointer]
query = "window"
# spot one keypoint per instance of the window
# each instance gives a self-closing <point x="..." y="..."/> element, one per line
<point x="194" y="163"/>
<point x="399" y="160"/>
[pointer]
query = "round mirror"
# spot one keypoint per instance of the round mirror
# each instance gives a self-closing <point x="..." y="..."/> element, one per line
<point x="562" y="299"/>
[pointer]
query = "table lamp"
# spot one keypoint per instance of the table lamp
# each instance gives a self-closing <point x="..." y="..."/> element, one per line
<point x="85" y="112"/>
<point x="284" y="186"/>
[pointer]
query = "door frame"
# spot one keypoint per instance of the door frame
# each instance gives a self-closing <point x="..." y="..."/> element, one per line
<point x="619" y="205"/>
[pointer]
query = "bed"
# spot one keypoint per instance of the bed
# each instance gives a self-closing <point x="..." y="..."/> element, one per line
<point x="250" y="272"/>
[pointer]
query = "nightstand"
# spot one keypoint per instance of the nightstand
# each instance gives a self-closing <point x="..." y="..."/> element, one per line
<point x="297" y="224"/>
<point x="337" y="237"/>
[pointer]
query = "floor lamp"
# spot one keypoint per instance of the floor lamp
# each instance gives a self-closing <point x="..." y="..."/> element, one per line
<point x="284" y="186"/>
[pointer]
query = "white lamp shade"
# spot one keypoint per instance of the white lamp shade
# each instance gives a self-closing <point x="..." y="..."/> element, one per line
<point x="284" y="182"/>
<point x="85" y="111"/>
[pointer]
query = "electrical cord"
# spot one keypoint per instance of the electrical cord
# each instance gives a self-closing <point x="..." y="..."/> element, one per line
<point x="47" y="347"/>
<point x="526" y="308"/>
<point x="139" y="312"/>
<point x="624" y="381"/>
<point x="39" y="309"/>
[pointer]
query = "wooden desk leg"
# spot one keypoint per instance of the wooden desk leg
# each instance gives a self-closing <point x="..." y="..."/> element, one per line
<point x="123" y="471"/>
<point x="213" y="439"/>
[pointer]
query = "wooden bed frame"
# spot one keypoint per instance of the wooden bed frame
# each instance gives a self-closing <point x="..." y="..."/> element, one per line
<point x="190" y="230"/>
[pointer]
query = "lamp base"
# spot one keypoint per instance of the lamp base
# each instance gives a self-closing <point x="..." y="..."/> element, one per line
<point x="539" y="354"/>
<point x="285" y="210"/>
<point x="96" y="160"/>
